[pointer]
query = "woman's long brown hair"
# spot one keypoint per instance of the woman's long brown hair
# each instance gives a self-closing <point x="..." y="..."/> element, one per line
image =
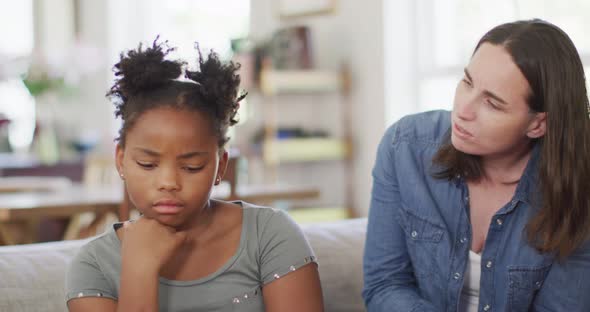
<point x="549" y="61"/>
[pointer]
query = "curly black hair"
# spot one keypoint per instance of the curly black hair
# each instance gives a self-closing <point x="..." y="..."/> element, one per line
<point x="145" y="79"/>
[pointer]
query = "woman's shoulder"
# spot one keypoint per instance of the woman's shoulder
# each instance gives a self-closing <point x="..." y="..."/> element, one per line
<point x="426" y="127"/>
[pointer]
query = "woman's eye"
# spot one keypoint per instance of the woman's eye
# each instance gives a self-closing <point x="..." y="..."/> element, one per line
<point x="467" y="82"/>
<point x="146" y="165"/>
<point x="492" y="104"/>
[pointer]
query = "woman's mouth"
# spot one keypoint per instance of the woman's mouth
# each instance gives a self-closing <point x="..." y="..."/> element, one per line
<point x="461" y="132"/>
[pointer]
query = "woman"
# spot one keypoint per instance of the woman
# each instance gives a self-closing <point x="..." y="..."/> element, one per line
<point x="486" y="208"/>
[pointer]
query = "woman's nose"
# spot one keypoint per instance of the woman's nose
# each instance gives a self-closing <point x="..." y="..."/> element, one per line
<point x="466" y="107"/>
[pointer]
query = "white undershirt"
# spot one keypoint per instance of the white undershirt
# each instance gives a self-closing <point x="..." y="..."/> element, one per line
<point x="469" y="298"/>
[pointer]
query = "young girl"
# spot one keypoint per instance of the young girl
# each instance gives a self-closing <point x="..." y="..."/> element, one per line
<point x="486" y="208"/>
<point x="187" y="252"/>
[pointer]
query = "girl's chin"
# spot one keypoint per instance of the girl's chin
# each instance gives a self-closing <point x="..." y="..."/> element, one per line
<point x="170" y="220"/>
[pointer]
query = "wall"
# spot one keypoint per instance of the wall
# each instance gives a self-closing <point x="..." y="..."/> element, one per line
<point x="353" y="33"/>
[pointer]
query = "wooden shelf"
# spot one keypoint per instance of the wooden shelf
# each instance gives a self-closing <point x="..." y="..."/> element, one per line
<point x="304" y="150"/>
<point x="279" y="87"/>
<point x="275" y="82"/>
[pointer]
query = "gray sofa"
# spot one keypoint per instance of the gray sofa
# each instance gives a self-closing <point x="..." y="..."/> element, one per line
<point x="32" y="276"/>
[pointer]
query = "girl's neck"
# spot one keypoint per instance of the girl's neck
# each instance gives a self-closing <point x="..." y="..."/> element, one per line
<point x="202" y="222"/>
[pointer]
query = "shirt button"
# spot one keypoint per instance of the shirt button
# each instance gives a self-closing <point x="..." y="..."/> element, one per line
<point x="489" y="264"/>
<point x="463" y="240"/>
<point x="456" y="276"/>
<point x="499" y="221"/>
<point x="486" y="307"/>
<point x="414" y="234"/>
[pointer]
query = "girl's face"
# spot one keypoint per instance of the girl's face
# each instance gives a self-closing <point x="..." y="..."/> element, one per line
<point x="491" y="116"/>
<point x="170" y="163"/>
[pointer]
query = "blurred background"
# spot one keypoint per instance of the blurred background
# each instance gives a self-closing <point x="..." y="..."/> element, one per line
<point x="325" y="78"/>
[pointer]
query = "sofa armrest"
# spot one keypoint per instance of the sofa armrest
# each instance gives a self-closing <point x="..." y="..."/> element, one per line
<point x="32" y="276"/>
<point x="339" y="249"/>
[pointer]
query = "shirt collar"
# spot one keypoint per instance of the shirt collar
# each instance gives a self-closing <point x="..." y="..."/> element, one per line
<point x="527" y="188"/>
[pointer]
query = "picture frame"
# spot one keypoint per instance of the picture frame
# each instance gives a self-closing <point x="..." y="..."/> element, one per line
<point x="288" y="9"/>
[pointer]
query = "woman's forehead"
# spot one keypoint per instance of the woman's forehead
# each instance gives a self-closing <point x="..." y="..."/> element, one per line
<point x="493" y="68"/>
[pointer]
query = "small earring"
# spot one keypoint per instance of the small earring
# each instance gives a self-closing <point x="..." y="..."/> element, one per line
<point x="122" y="176"/>
<point x="217" y="180"/>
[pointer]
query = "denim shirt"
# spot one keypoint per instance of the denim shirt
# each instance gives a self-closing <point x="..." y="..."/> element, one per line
<point x="419" y="236"/>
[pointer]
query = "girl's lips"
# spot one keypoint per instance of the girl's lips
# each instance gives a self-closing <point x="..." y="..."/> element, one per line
<point x="167" y="209"/>
<point x="168" y="206"/>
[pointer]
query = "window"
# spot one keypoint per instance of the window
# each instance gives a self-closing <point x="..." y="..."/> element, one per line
<point x="211" y="23"/>
<point x="447" y="41"/>
<point x="443" y="35"/>
<point x="16" y="45"/>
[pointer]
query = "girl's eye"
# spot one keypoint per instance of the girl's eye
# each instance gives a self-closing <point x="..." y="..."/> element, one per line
<point x="192" y="169"/>
<point x="146" y="165"/>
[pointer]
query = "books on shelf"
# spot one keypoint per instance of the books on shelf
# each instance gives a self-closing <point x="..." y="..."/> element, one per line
<point x="304" y="149"/>
<point x="319" y="214"/>
<point x="274" y="82"/>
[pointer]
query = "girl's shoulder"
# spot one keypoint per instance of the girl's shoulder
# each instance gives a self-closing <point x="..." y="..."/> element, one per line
<point x="263" y="217"/>
<point x="103" y="245"/>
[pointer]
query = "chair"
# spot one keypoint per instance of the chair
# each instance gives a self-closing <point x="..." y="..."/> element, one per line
<point x="99" y="170"/>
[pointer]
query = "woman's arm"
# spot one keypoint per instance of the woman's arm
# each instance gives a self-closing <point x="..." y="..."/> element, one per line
<point x="389" y="282"/>
<point x="299" y="290"/>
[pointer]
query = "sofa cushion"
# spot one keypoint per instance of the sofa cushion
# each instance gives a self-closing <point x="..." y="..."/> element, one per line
<point x="32" y="276"/>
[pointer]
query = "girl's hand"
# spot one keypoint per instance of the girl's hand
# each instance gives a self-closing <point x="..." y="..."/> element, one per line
<point x="147" y="245"/>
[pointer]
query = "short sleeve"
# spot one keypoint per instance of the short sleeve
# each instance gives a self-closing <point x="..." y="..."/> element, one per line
<point x="84" y="277"/>
<point x="283" y="247"/>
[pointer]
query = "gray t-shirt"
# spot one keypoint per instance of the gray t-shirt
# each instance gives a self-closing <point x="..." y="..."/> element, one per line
<point x="271" y="245"/>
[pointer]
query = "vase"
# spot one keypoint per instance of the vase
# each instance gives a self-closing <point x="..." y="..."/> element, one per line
<point x="46" y="145"/>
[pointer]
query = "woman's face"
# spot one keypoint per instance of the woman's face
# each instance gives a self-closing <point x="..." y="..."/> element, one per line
<point x="170" y="162"/>
<point x="490" y="116"/>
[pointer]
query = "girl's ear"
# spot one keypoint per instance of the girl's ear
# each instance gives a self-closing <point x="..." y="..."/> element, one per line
<point x="221" y="167"/>
<point x="537" y="126"/>
<point x="119" y="153"/>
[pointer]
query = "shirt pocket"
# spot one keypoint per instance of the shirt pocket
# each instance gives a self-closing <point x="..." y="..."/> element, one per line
<point x="423" y="239"/>
<point x="524" y="284"/>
